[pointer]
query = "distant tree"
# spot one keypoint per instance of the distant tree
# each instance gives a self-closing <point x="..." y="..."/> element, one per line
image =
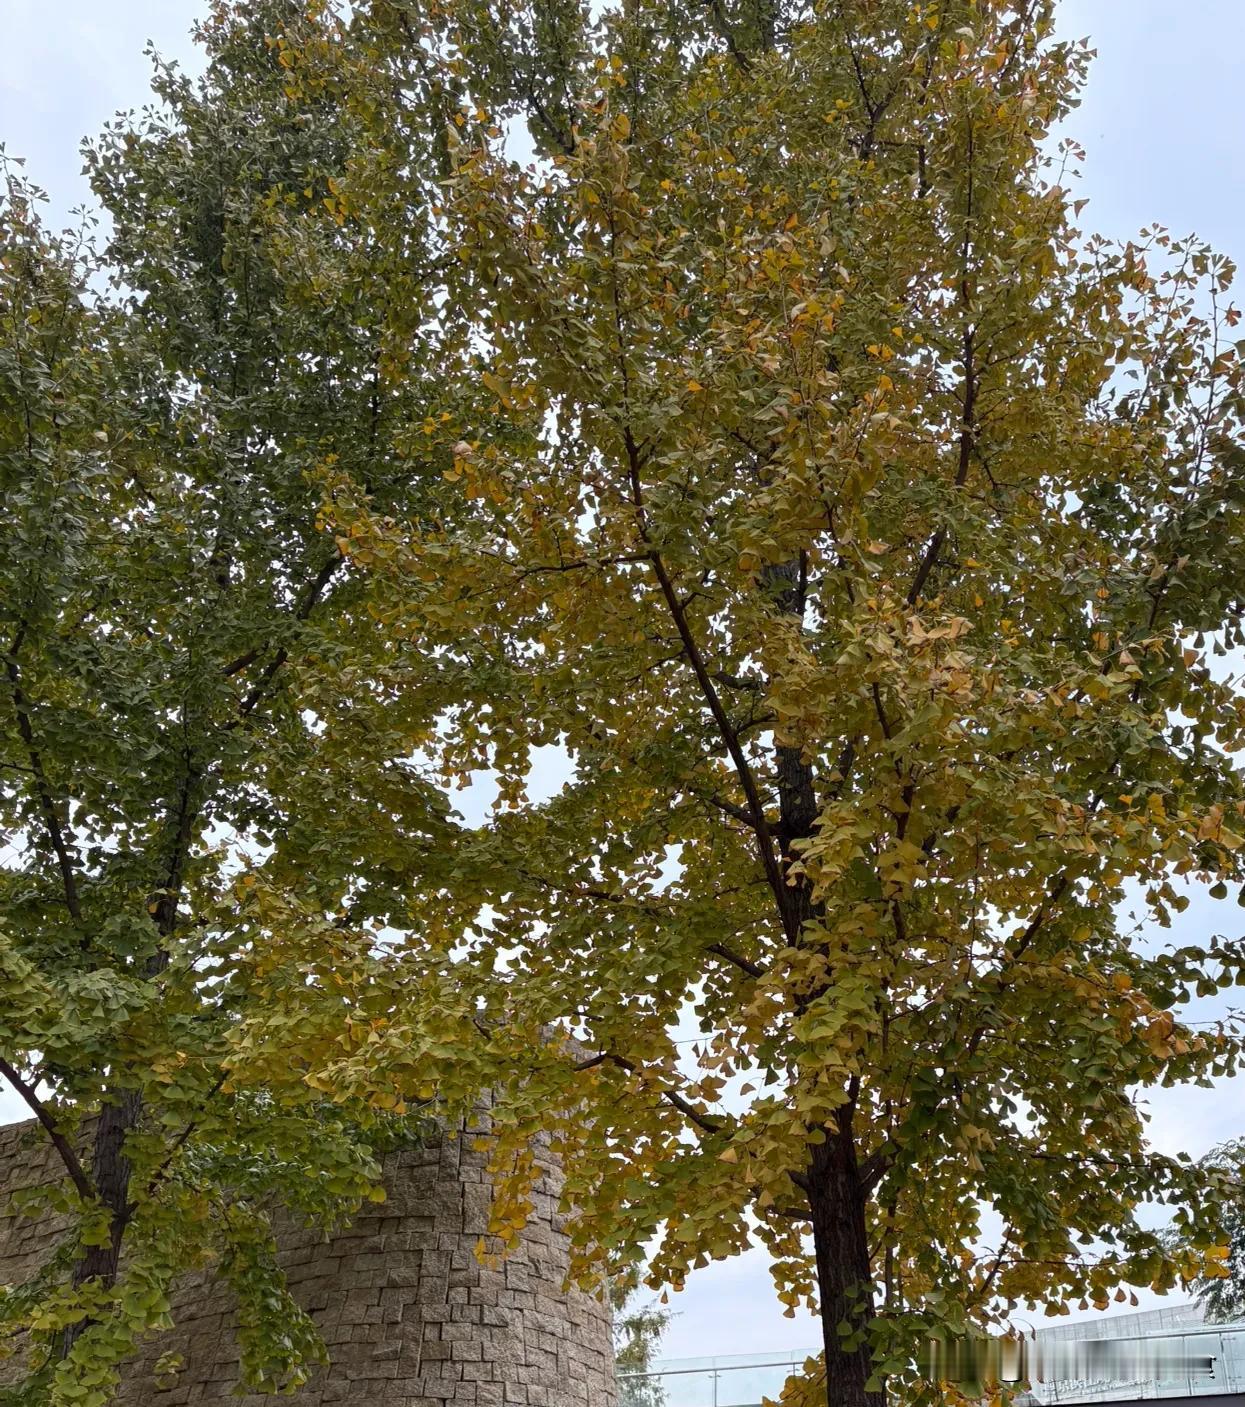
<point x="864" y="533"/>
<point x="204" y="822"/>
<point x="1222" y="1296"/>
<point x="638" y="1329"/>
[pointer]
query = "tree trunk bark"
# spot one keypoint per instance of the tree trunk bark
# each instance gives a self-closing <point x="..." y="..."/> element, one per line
<point x="121" y="1111"/>
<point x="836" y="1199"/>
<point x="110" y="1170"/>
<point x="844" y="1277"/>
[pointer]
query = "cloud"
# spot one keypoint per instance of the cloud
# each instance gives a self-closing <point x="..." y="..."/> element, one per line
<point x="67" y="66"/>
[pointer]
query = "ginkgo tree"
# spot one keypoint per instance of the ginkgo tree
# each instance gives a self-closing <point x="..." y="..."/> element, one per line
<point x="864" y="531"/>
<point x="206" y="811"/>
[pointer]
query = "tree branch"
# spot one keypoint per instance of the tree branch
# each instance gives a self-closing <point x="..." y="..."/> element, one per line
<point x="968" y="435"/>
<point x="876" y="1166"/>
<point x="47" y="806"/>
<point x="705" y="1122"/>
<point x="753" y="969"/>
<point x="180" y="1141"/>
<point x="73" y="1165"/>
<point x="311" y="598"/>
<point x="765" y="840"/>
<point x="727" y="35"/>
<point x="729" y="808"/>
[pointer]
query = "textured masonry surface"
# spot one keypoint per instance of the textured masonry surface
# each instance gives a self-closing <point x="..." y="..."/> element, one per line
<point x="410" y="1316"/>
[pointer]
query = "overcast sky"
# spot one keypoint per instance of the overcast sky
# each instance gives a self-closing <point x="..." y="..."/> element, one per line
<point x="1161" y="123"/>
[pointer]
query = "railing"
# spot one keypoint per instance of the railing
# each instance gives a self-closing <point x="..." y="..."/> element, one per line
<point x="1195" y="1362"/>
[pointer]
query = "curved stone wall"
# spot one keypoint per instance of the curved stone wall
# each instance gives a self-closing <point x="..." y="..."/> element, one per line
<point x="410" y="1316"/>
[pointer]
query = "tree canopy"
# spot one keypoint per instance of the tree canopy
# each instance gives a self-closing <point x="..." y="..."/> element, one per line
<point x="206" y="815"/>
<point x="864" y="532"/>
<point x="773" y="441"/>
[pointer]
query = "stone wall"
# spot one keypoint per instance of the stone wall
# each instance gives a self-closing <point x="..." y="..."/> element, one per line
<point x="410" y="1316"/>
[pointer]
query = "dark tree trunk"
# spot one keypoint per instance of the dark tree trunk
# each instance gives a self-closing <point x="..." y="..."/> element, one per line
<point x="836" y="1197"/>
<point x="844" y="1278"/>
<point x="122" y="1110"/>
<point x="110" y="1170"/>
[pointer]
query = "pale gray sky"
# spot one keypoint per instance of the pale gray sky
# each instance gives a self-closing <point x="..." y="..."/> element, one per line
<point x="1161" y="122"/>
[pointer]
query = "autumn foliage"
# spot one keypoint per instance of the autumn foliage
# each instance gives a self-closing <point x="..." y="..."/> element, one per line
<point x="733" y="405"/>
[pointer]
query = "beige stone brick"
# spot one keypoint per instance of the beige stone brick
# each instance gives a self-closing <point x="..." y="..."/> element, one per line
<point x="411" y="1318"/>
